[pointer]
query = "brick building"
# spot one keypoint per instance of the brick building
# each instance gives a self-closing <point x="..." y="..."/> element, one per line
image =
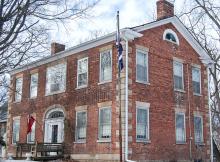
<point x="73" y="95"/>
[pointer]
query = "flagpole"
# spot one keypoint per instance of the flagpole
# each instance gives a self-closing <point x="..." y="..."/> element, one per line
<point x="119" y="87"/>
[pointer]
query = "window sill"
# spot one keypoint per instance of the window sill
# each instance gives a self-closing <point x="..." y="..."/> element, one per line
<point x="200" y="143"/>
<point x="104" y="82"/>
<point x="33" y="98"/>
<point x="142" y="82"/>
<point x="143" y="141"/>
<point x="104" y="140"/>
<point x="180" y="90"/>
<point x="80" y="142"/>
<point x="81" y="87"/>
<point x="197" y="94"/>
<point x="17" y="101"/>
<point x="53" y="93"/>
<point x="181" y="143"/>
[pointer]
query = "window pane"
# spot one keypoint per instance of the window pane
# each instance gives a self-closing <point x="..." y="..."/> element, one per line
<point x="196" y="74"/>
<point x="82" y="72"/>
<point x="18" y="88"/>
<point x="81" y="126"/>
<point x="180" y="130"/>
<point x="142" y="124"/>
<point x="16" y="128"/>
<point x="106" y="66"/>
<point x="33" y="85"/>
<point x="105" y="123"/>
<point x="31" y="135"/>
<point x="178" y="75"/>
<point x="141" y="67"/>
<point x="56" y="78"/>
<point x="198" y="129"/>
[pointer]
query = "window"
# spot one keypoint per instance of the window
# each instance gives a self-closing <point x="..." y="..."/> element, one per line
<point x="56" y="79"/>
<point x="82" y="72"/>
<point x="170" y="35"/>
<point x="81" y="123"/>
<point x="141" y="66"/>
<point x="198" y="129"/>
<point x="33" y="85"/>
<point x="196" y="79"/>
<point x="106" y="66"/>
<point x="142" y="126"/>
<point x="31" y="135"/>
<point x="15" y="131"/>
<point x="18" y="89"/>
<point x="178" y="75"/>
<point x="180" y="128"/>
<point x="104" y="123"/>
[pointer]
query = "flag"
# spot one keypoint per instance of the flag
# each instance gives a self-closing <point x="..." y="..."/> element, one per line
<point x="31" y="121"/>
<point x="119" y="46"/>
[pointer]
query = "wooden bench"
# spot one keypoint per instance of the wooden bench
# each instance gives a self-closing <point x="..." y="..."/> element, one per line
<point x="41" y="151"/>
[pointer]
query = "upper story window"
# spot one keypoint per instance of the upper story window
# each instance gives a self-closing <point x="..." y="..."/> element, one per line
<point x="105" y="123"/>
<point x="196" y="80"/>
<point x="18" y="89"/>
<point x="141" y="66"/>
<point x="105" y="66"/>
<point x="178" y="75"/>
<point x="142" y="125"/>
<point x="180" y="128"/>
<point x="82" y="72"/>
<point x="170" y="35"/>
<point x="15" y="131"/>
<point x="33" y="85"/>
<point x="56" y="78"/>
<point x="81" y="122"/>
<point x="198" y="129"/>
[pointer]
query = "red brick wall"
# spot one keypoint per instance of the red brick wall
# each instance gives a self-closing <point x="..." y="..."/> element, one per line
<point x="160" y="94"/>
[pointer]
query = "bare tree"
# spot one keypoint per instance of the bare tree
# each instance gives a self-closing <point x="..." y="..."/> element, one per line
<point x="202" y="18"/>
<point x="24" y="26"/>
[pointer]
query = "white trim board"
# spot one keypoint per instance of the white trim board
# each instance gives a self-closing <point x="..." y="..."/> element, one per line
<point x="111" y="37"/>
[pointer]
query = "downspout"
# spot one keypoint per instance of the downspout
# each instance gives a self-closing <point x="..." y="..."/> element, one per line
<point x="127" y="35"/>
<point x="210" y="115"/>
<point x="126" y="103"/>
<point x="189" y="113"/>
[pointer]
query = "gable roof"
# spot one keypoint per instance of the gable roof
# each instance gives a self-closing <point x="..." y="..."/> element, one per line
<point x="111" y="37"/>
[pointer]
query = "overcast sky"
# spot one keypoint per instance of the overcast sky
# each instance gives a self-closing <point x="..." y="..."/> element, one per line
<point x="103" y="19"/>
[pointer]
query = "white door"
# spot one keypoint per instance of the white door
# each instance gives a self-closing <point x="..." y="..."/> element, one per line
<point x="54" y="131"/>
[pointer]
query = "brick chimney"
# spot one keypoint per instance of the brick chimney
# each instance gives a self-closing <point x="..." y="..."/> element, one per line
<point x="165" y="9"/>
<point x="56" y="47"/>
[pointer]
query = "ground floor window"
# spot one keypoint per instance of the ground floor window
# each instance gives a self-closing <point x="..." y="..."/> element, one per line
<point x="81" y="125"/>
<point x="198" y="129"/>
<point x="15" y="131"/>
<point x="105" y="123"/>
<point x="180" y="128"/>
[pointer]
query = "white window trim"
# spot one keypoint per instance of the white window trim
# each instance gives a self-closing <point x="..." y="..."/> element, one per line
<point x="184" y="118"/>
<point x="174" y="34"/>
<point x="105" y="139"/>
<point x="56" y="92"/>
<point x="83" y="86"/>
<point x="104" y="81"/>
<point x="197" y="67"/>
<point x="146" y="53"/>
<point x="178" y="62"/>
<point x="34" y="134"/>
<point x="148" y="124"/>
<point x="80" y="140"/>
<point x="15" y="119"/>
<point x="202" y="141"/>
<point x="15" y="96"/>
<point x="31" y="85"/>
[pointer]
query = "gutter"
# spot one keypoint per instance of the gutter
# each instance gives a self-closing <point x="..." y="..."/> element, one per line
<point x="127" y="35"/>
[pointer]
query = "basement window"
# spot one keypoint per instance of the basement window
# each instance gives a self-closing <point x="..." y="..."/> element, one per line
<point x="170" y="36"/>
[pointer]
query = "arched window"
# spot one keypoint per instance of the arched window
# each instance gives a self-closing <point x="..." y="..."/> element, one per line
<point x="170" y="35"/>
<point x="56" y="114"/>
